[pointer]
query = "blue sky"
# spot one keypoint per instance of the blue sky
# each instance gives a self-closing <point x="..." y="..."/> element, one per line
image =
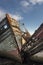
<point x="29" y="12"/>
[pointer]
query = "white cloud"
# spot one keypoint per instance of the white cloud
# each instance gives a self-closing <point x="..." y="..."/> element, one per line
<point x="2" y="14"/>
<point x="36" y="1"/>
<point x="24" y="3"/>
<point x="17" y="17"/>
<point x="27" y="5"/>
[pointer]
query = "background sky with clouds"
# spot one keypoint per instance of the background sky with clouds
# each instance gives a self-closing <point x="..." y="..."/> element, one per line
<point x="29" y="12"/>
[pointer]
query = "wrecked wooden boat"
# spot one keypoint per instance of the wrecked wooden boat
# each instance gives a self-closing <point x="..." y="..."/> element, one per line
<point x="34" y="46"/>
<point x="8" y="44"/>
